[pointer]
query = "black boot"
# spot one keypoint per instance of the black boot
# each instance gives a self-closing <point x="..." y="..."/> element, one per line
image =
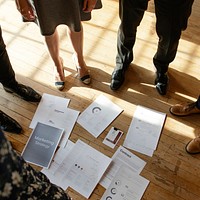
<point x="161" y="83"/>
<point x="9" y="124"/>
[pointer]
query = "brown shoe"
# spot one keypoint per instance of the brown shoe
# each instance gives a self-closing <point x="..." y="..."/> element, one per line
<point x="193" y="147"/>
<point x="184" y="109"/>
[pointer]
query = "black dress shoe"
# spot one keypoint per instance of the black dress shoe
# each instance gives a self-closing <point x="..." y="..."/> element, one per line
<point x="23" y="91"/>
<point x="161" y="83"/>
<point x="9" y="124"/>
<point x="118" y="77"/>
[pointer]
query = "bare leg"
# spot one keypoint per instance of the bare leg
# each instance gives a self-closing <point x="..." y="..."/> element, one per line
<point x="77" y="44"/>
<point x="52" y="43"/>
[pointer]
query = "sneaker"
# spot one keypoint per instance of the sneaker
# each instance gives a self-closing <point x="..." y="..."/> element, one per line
<point x="9" y="124"/>
<point x="23" y="91"/>
<point x="184" y="109"/>
<point x="193" y="147"/>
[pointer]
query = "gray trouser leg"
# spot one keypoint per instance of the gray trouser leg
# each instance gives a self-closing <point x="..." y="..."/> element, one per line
<point x="6" y="71"/>
<point x="171" y="18"/>
<point x="131" y="13"/>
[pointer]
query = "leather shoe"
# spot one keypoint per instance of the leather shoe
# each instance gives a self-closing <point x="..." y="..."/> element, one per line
<point x="9" y="124"/>
<point x="118" y="77"/>
<point x="23" y="91"/>
<point x="161" y="83"/>
<point x="193" y="147"/>
<point x="184" y="109"/>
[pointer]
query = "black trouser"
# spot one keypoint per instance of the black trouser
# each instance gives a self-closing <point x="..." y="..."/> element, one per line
<point x="198" y="102"/>
<point x="131" y="13"/>
<point x="171" y="19"/>
<point x="7" y="74"/>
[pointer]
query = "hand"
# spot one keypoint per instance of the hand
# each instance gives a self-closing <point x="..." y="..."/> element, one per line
<point x="88" y="5"/>
<point x="26" y="10"/>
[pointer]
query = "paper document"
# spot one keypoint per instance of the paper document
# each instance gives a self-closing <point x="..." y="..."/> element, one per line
<point x="53" y="111"/>
<point x="96" y="117"/>
<point x="126" y="185"/>
<point x="82" y="168"/>
<point x="50" y="110"/>
<point x="70" y="119"/>
<point x="42" y="144"/>
<point x="144" y="131"/>
<point x="56" y="162"/>
<point x="122" y="157"/>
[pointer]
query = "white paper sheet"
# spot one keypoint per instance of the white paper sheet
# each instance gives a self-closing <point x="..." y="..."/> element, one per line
<point x="53" y="111"/>
<point x="49" y="109"/>
<point x="126" y="185"/>
<point x="57" y="160"/>
<point x="144" y="131"/>
<point x="98" y="115"/>
<point x="69" y="120"/>
<point x="122" y="157"/>
<point x="82" y="168"/>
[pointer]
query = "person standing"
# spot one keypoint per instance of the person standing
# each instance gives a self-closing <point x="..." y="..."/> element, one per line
<point x="18" y="180"/>
<point x="10" y="84"/>
<point x="48" y="15"/>
<point x="171" y="19"/>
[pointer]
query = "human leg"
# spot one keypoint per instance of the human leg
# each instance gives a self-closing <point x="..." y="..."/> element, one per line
<point x="6" y="70"/>
<point x="7" y="77"/>
<point x="76" y="39"/>
<point x="171" y="19"/>
<point x="131" y="13"/>
<point x="52" y="43"/>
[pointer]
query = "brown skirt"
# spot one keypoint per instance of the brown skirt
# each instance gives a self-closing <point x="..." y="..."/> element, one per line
<point x="51" y="13"/>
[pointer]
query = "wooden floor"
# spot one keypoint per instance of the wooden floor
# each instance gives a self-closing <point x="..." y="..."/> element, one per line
<point x="173" y="174"/>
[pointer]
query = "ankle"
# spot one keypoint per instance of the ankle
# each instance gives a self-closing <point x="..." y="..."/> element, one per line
<point x="78" y="61"/>
<point x="161" y="78"/>
<point x="11" y="84"/>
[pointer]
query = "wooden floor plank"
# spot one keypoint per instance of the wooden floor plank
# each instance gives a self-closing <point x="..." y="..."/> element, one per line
<point x="173" y="174"/>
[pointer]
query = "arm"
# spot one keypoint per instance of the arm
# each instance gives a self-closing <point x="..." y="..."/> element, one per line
<point x="19" y="180"/>
<point x="26" y="10"/>
<point x="88" y="5"/>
